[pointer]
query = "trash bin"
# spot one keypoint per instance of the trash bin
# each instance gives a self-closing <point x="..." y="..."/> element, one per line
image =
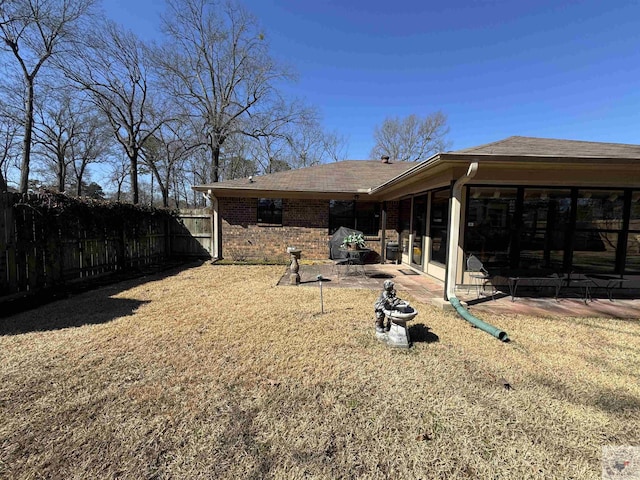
<point x="393" y="251"/>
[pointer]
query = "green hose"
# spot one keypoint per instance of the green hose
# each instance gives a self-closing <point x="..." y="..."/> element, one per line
<point x="476" y="322"/>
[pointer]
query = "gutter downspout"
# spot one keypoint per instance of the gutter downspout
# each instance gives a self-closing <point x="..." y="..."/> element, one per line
<point x="215" y="229"/>
<point x="452" y="266"/>
<point x="215" y="244"/>
<point x="383" y="234"/>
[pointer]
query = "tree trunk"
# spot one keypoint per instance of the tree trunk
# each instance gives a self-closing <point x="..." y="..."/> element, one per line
<point x="164" y="189"/>
<point x="215" y="163"/>
<point x="79" y="179"/>
<point x="133" y="159"/>
<point x="62" y="174"/>
<point x="26" y="142"/>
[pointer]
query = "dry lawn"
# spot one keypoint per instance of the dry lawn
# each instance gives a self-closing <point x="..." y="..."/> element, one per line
<point x="215" y="372"/>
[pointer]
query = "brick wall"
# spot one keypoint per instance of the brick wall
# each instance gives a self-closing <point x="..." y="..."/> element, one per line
<point x="305" y="224"/>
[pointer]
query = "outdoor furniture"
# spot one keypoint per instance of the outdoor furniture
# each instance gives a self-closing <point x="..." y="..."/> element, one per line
<point x="554" y="281"/>
<point x="608" y="282"/>
<point x="337" y="263"/>
<point x="582" y="282"/>
<point x="354" y="260"/>
<point x="479" y="275"/>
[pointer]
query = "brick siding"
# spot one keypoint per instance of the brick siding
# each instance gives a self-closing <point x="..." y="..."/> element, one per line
<point x="305" y="224"/>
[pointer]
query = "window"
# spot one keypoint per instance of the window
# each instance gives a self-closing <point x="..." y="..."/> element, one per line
<point x="419" y="228"/>
<point x="439" y="225"/>
<point x="546" y="218"/>
<point x="633" y="242"/>
<point x="363" y="216"/>
<point x="270" y="211"/>
<point x="599" y="224"/>
<point x="489" y="221"/>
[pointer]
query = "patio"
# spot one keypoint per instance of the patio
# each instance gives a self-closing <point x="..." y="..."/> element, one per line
<point x="429" y="290"/>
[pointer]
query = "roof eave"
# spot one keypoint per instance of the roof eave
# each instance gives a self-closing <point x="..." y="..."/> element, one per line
<point x="434" y="159"/>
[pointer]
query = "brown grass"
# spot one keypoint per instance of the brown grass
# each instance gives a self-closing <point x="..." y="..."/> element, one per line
<point x="217" y="373"/>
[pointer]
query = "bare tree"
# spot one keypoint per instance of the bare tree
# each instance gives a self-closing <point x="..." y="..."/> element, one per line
<point x="119" y="173"/>
<point x="114" y="70"/>
<point x="8" y="147"/>
<point x="309" y="144"/>
<point x="165" y="152"/>
<point x="32" y="31"/>
<point x="56" y="122"/>
<point x="300" y="143"/>
<point x="336" y="146"/>
<point x="217" y="62"/>
<point x="411" y="138"/>
<point x="91" y="144"/>
<point x="269" y="154"/>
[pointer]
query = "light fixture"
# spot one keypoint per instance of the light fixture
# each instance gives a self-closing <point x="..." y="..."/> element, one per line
<point x="476" y="194"/>
<point x="586" y="195"/>
<point x="496" y="194"/>
<point x="613" y="197"/>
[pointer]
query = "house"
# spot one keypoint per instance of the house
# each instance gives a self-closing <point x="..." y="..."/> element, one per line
<point x="520" y="205"/>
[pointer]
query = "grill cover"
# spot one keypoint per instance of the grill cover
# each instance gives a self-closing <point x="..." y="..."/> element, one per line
<point x="336" y="241"/>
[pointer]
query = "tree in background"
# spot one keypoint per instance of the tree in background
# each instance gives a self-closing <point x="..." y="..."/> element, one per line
<point x="298" y="144"/>
<point x="56" y="123"/>
<point x="92" y="190"/>
<point x="411" y="138"/>
<point x="165" y="152"/>
<point x="92" y="143"/>
<point x="32" y="31"/>
<point x="205" y="105"/>
<point x="216" y="61"/>
<point x="114" y="69"/>
<point x="8" y="148"/>
<point x="118" y="175"/>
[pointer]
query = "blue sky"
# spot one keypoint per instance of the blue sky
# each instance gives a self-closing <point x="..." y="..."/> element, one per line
<point x="495" y="67"/>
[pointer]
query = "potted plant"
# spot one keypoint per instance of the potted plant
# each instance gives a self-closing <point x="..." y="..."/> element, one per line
<point x="354" y="241"/>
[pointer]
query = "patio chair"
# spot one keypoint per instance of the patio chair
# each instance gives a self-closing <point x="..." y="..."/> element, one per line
<point x="480" y="276"/>
<point x="337" y="263"/>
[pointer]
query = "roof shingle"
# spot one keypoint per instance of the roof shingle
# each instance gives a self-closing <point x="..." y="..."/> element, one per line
<point x="349" y="176"/>
<point x="547" y="147"/>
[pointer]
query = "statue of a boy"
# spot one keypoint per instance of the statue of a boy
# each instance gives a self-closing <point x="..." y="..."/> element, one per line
<point x="386" y="301"/>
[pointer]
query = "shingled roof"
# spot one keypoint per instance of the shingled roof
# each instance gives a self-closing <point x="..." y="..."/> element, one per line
<point x="546" y="147"/>
<point x="349" y="176"/>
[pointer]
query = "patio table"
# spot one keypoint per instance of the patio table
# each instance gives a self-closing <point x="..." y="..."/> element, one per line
<point x="355" y="259"/>
<point x="612" y="281"/>
<point x="547" y="281"/>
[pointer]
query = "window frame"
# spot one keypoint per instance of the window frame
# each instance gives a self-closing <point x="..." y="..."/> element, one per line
<point x="272" y="216"/>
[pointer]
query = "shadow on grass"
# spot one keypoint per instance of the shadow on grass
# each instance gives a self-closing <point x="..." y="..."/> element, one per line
<point x="80" y="305"/>
<point x="420" y="333"/>
<point x="609" y="400"/>
<point x="46" y="318"/>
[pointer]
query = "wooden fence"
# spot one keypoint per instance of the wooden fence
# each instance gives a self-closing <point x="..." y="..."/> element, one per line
<point x="38" y="252"/>
<point x="191" y="236"/>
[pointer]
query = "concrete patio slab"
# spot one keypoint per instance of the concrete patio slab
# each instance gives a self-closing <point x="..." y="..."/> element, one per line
<point x="429" y="290"/>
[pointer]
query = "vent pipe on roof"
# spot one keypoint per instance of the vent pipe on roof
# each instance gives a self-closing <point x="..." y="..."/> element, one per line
<point x="384" y="159"/>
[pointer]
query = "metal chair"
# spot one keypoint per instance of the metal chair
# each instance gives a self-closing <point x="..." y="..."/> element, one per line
<point x="480" y="275"/>
<point x="337" y="263"/>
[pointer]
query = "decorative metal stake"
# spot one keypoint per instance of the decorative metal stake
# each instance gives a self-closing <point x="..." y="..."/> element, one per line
<point x="319" y="277"/>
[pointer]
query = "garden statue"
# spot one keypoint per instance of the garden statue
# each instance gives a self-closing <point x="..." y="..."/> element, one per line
<point x="397" y="312"/>
<point x="386" y="301"/>
<point x="294" y="268"/>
